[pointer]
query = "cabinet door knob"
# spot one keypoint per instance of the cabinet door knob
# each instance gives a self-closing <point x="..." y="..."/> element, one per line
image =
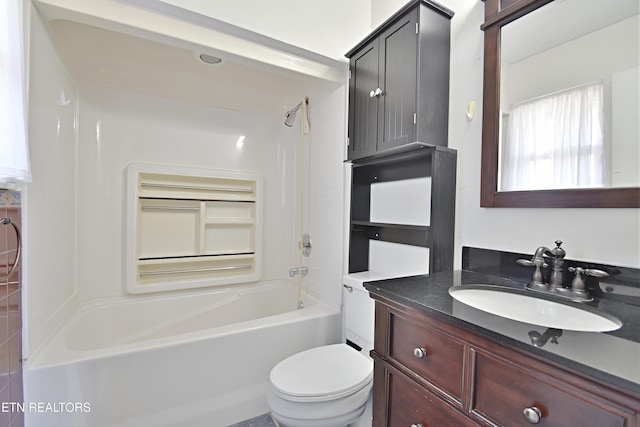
<point x="532" y="414"/>
<point x="419" y="352"/>
<point x="375" y="93"/>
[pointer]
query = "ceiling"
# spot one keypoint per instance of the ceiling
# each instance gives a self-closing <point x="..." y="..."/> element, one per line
<point x="558" y="22"/>
<point x="156" y="51"/>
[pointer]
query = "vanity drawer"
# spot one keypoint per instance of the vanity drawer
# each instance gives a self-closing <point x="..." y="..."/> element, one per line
<point x="504" y="390"/>
<point x="413" y="405"/>
<point x="431" y="354"/>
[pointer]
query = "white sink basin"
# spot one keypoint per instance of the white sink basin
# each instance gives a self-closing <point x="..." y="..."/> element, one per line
<point x="520" y="305"/>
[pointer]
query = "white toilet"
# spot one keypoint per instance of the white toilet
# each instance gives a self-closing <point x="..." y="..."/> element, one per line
<point x="329" y="386"/>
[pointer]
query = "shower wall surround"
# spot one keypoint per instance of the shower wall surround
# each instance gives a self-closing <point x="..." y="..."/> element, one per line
<point x="49" y="263"/>
<point x="119" y="128"/>
<point x="80" y="153"/>
<point x="10" y="313"/>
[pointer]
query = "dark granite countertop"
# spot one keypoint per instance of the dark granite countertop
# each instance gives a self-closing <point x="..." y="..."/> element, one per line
<point x="611" y="357"/>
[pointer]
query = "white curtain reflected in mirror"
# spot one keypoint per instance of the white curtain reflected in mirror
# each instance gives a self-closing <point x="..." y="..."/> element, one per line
<point x="555" y="141"/>
<point x="559" y="130"/>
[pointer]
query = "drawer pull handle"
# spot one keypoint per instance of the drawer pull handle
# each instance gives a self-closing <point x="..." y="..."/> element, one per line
<point x="532" y="414"/>
<point x="419" y="352"/>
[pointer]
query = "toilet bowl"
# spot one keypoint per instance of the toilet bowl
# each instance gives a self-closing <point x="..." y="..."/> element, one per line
<point x="326" y="386"/>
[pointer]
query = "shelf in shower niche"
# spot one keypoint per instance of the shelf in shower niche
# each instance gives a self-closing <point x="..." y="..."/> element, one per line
<point x="199" y="267"/>
<point x="416" y="235"/>
<point x="230" y="221"/>
<point x="195" y="187"/>
<point x="192" y="228"/>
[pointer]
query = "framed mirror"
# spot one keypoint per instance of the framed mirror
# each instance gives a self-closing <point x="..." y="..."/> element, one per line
<point x="561" y="123"/>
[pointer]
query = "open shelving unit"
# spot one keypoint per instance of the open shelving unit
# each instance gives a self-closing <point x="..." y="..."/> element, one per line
<point x="416" y="160"/>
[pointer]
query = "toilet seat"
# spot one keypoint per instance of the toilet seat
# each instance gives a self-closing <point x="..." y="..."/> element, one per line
<point x="322" y="374"/>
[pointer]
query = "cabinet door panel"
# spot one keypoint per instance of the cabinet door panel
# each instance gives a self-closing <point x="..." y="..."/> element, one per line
<point x="363" y="109"/>
<point x="411" y="405"/>
<point x="503" y="390"/>
<point x="398" y="81"/>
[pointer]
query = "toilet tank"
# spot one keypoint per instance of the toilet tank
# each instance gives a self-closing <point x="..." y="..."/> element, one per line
<point x="358" y="309"/>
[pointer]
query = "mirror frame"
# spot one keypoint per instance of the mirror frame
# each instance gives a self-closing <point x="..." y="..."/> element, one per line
<point x="497" y="14"/>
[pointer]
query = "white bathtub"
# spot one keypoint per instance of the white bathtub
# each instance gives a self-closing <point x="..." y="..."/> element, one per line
<point x="198" y="360"/>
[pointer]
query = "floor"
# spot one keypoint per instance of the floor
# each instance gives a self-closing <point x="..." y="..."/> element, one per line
<point x="261" y="421"/>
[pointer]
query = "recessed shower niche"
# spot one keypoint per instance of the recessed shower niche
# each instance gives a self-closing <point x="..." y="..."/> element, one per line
<point x="191" y="228"/>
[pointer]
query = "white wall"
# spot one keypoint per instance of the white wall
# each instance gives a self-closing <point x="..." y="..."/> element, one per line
<point x="326" y="203"/>
<point x="604" y="235"/>
<point x="328" y="27"/>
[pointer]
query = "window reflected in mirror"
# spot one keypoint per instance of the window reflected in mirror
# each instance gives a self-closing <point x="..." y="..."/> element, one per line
<point x="570" y="97"/>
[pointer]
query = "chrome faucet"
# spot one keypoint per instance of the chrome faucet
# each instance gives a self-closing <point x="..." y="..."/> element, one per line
<point x="557" y="265"/>
<point x="576" y="290"/>
<point x="298" y="271"/>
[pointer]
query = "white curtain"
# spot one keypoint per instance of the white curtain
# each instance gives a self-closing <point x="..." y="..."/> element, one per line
<point x="556" y="141"/>
<point x="14" y="153"/>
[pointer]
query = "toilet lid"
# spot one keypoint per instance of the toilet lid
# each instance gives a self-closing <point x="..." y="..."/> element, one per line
<point x="327" y="372"/>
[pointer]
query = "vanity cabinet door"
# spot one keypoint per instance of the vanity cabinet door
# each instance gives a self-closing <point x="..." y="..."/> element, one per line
<point x="409" y="404"/>
<point x="504" y="391"/>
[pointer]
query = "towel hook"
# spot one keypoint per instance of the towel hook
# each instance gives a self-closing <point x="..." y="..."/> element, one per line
<point x="5" y="221"/>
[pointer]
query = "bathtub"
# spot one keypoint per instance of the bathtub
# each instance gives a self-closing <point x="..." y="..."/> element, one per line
<point x="201" y="359"/>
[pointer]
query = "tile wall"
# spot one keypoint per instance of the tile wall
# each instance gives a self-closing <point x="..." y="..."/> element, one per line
<point x="10" y="315"/>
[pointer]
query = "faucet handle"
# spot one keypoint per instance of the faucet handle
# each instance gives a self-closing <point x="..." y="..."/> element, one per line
<point x="596" y="273"/>
<point x="588" y="271"/>
<point x="578" y="286"/>
<point x="535" y="262"/>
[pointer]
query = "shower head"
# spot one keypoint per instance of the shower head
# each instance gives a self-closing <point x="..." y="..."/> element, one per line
<point x="290" y="116"/>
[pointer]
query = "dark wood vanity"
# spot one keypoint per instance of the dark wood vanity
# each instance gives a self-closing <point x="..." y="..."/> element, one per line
<point x="430" y="372"/>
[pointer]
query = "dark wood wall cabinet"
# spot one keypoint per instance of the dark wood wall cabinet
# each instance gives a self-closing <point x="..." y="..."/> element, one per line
<point x="399" y="82"/>
<point x="398" y="124"/>
<point x="429" y="372"/>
